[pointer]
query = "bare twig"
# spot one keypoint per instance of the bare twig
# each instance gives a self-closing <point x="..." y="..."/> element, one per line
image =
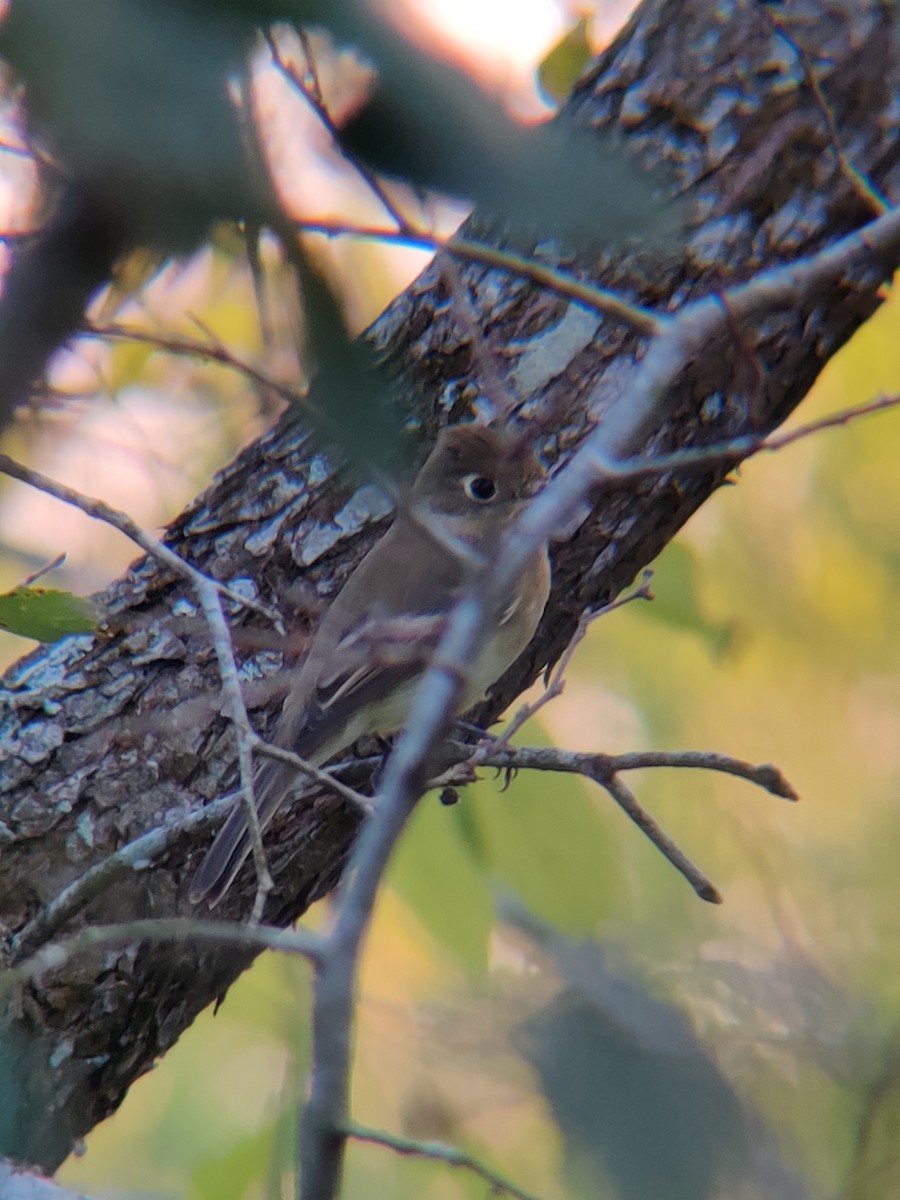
<point x="99" y="510"/>
<point x="316" y="774"/>
<point x="203" y="351"/>
<point x="833" y="421"/>
<point x="244" y="736"/>
<point x="745" y="446"/>
<point x="208" y="592"/>
<point x="143" y="851"/>
<point x="45" y="570"/>
<point x="601" y="767"/>
<point x="452" y="1156"/>
<point x="555" y="684"/>
<point x="628" y="802"/>
<point x="861" y="184"/>
<point x="54" y="955"/>
<point x="313" y="96"/>
<point x="601" y="300"/>
<point x="135" y="856"/>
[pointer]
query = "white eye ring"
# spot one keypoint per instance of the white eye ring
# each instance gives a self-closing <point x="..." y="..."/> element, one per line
<point x="480" y="488"/>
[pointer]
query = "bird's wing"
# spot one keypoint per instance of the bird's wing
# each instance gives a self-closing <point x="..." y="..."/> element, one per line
<point x="365" y="670"/>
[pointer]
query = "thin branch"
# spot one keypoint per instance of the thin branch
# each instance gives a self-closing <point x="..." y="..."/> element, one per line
<point x="99" y="510"/>
<point x="601" y="300"/>
<point x="136" y="855"/>
<point x="861" y="184"/>
<point x="44" y="570"/>
<point x="629" y="803"/>
<point x="145" y="850"/>
<point x="54" y="955"/>
<point x="244" y="735"/>
<point x="451" y="1156"/>
<point x="603" y="769"/>
<point x="356" y="799"/>
<point x="833" y="421"/>
<point x="313" y="96"/>
<point x="745" y="446"/>
<point x="203" y="351"/>
<point x="764" y="775"/>
<point x="557" y="682"/>
<point x="600" y="767"/>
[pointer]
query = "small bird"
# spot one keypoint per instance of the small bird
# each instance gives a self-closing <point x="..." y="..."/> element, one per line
<point x="376" y="640"/>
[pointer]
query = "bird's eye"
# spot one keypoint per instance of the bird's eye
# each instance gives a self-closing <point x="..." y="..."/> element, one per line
<point x="479" y="488"/>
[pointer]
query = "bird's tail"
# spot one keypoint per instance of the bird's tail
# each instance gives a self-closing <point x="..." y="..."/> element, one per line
<point x="232" y="846"/>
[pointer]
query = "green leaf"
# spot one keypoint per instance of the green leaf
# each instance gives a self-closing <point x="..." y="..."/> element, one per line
<point x="133" y="97"/>
<point x="46" y="614"/>
<point x="563" y="66"/>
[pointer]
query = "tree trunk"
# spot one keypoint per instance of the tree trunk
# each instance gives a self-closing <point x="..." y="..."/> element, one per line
<point x="104" y="739"/>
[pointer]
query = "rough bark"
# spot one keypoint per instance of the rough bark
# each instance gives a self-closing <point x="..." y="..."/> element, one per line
<point x="101" y="740"/>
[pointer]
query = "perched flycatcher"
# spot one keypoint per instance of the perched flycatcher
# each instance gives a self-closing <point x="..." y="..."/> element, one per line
<point x="373" y="645"/>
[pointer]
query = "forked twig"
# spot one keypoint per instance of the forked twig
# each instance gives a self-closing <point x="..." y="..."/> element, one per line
<point x="452" y="1156"/>
<point x="604" y="770"/>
